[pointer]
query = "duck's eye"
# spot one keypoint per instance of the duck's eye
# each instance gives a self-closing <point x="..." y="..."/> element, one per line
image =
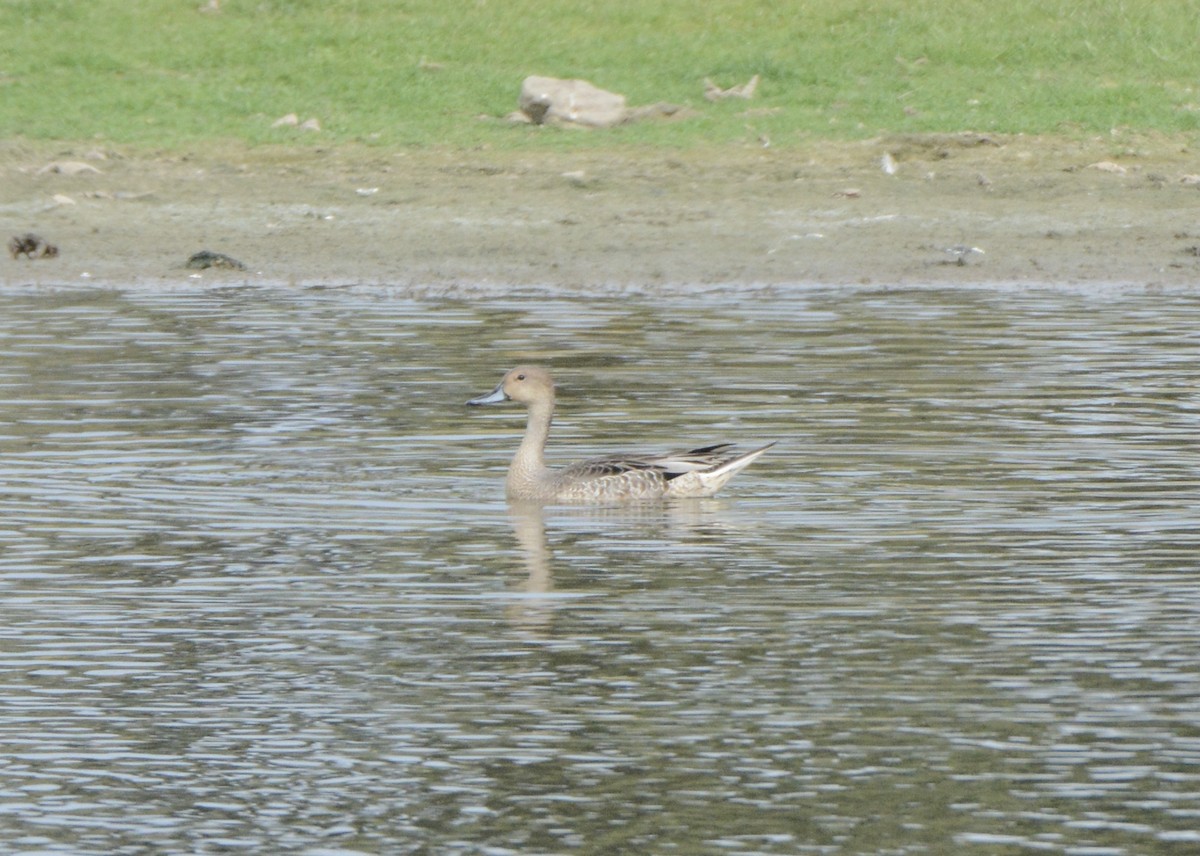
<point x="520" y="377"/>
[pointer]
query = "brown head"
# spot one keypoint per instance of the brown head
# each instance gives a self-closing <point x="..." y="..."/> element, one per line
<point x="526" y="384"/>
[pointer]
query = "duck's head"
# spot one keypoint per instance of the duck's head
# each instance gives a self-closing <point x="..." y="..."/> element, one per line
<point x="526" y="384"/>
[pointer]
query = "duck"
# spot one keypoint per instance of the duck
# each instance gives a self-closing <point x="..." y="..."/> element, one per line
<point x="699" y="472"/>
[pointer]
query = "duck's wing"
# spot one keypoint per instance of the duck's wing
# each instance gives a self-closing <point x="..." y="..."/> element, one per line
<point x="670" y="465"/>
<point x="702" y="472"/>
<point x="690" y="473"/>
<point x="610" y="466"/>
<point x="675" y="464"/>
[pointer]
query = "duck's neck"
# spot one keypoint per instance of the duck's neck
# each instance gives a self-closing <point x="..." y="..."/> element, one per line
<point x="528" y="471"/>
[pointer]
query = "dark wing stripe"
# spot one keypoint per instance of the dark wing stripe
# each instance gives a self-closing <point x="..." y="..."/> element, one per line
<point x="708" y="450"/>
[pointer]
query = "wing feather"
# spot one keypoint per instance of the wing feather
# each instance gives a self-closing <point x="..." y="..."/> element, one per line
<point x="671" y="465"/>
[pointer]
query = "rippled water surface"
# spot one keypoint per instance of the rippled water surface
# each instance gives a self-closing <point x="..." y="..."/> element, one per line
<point x="262" y="593"/>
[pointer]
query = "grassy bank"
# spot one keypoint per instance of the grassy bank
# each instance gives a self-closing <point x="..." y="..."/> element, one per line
<point x="166" y="75"/>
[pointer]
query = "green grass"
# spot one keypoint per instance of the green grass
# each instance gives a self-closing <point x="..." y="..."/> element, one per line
<point x="160" y="74"/>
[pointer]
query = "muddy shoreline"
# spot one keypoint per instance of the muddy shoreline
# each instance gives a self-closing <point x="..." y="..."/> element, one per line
<point x="1042" y="212"/>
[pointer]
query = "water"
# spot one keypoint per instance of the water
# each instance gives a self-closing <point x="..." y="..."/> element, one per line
<point x="261" y="591"/>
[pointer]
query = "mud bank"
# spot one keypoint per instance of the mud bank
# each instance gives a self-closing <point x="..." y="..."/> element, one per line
<point x="1040" y="212"/>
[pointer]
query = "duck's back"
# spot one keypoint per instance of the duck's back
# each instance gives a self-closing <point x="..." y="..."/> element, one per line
<point x="616" y="478"/>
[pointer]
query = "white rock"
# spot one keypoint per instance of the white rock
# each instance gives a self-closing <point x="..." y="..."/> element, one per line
<point x="68" y="168"/>
<point x="549" y="100"/>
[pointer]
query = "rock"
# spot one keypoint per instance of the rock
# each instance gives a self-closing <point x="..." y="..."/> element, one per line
<point x="551" y="101"/>
<point x="715" y="93"/>
<point x="579" y="104"/>
<point x="208" y="259"/>
<point x="959" y="252"/>
<point x="660" y="110"/>
<point x="68" y="168"/>
<point x="31" y="246"/>
<point x="291" y="120"/>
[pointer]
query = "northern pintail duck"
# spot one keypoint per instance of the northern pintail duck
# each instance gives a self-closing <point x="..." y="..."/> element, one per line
<point x="613" y="478"/>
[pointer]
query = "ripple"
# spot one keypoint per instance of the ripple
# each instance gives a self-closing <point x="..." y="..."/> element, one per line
<point x="262" y="591"/>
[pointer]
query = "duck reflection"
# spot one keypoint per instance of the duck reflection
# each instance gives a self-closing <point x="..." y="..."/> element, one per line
<point x="533" y="610"/>
<point x="663" y="526"/>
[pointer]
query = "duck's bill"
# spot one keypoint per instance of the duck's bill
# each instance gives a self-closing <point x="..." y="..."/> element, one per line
<point x="494" y="397"/>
